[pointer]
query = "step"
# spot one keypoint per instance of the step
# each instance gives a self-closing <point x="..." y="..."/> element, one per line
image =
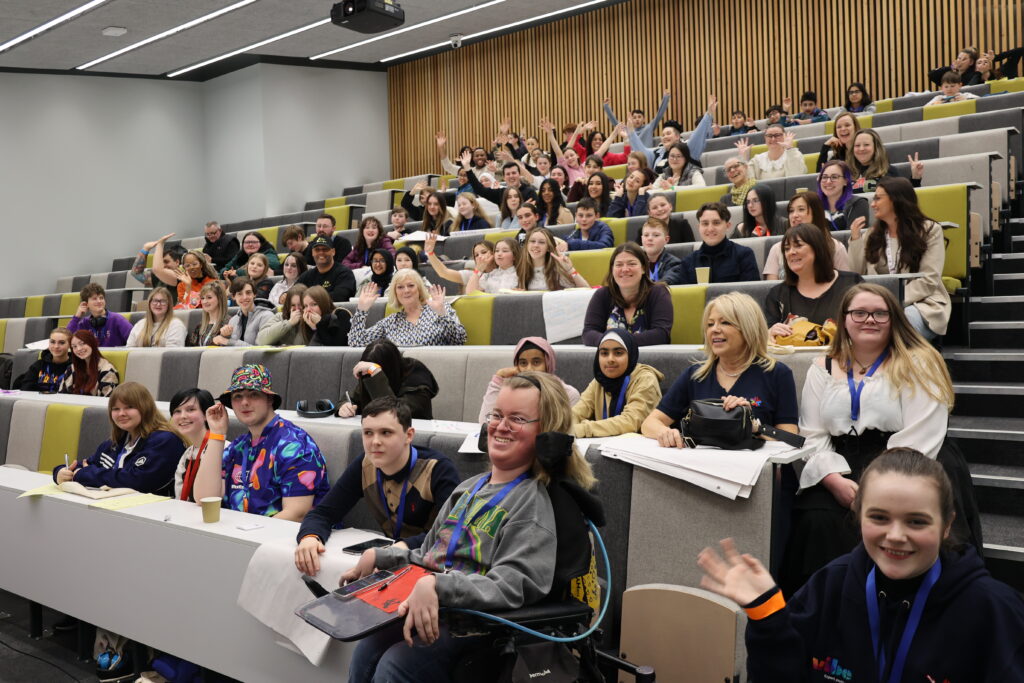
<point x="985" y="365"/>
<point x="1008" y="263"/>
<point x="988" y="399"/>
<point x="1003" y="536"/>
<point x="1017" y="244"/>
<point x="998" y="476"/>
<point x="989" y="440"/>
<point x="1007" y="284"/>
<point x="997" y="307"/>
<point x="996" y="333"/>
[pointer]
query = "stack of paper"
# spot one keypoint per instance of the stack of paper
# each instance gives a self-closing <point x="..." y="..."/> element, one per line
<point x="728" y="473"/>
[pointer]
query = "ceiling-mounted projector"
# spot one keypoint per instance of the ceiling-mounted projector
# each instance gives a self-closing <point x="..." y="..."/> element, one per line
<point x="368" y="16"/>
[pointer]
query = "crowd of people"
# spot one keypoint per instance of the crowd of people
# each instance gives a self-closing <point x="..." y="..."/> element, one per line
<point x="872" y="506"/>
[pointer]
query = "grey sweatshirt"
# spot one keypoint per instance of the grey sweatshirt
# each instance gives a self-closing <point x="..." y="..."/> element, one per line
<point x="505" y="560"/>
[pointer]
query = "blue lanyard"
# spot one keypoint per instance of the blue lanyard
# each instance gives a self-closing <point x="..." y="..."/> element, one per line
<point x="913" y="621"/>
<point x="462" y="523"/>
<point x="855" y="389"/>
<point x="620" y="402"/>
<point x="400" y="512"/>
<point x="655" y="269"/>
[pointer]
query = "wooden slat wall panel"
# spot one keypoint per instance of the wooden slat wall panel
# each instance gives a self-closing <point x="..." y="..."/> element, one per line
<point x="751" y="53"/>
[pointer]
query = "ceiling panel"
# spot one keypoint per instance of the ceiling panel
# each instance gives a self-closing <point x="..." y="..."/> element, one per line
<point x="80" y="40"/>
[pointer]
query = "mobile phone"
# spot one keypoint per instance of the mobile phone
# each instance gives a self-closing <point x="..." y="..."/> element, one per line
<point x="358" y="548"/>
<point x="351" y="589"/>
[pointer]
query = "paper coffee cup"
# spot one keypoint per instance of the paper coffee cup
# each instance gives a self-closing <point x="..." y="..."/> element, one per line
<point x="211" y="509"/>
<point x="703" y="275"/>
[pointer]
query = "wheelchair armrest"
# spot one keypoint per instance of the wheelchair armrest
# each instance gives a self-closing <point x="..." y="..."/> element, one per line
<point x="546" y="612"/>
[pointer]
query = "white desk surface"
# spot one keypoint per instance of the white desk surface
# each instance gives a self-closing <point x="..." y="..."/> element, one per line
<point x="171" y="584"/>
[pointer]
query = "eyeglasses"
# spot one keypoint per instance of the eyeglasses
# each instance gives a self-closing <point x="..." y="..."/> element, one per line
<point x="514" y="422"/>
<point x="753" y="200"/>
<point x="734" y="167"/>
<point x="831" y="176"/>
<point x="860" y="316"/>
<point x="773" y="136"/>
<point x="852" y="91"/>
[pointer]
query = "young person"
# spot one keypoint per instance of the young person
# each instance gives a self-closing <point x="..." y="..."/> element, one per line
<point x="858" y="100"/>
<point x="90" y="374"/>
<point x="327" y="325"/>
<point x="501" y="560"/>
<point x="623" y="392"/>
<point x="468" y="215"/>
<point x="110" y="329"/>
<point x="737" y="369"/>
<point x="950" y="87"/>
<point x="812" y="287"/>
<point x="904" y="240"/>
<point x="214" y="303"/>
<point x="399" y="217"/>
<point x="287" y="328"/>
<point x="422" y="317"/>
<point x="188" y="415"/>
<point x="252" y="243"/>
<point x="383" y="371"/>
<point x="170" y="262"/>
<point x="382" y="269"/>
<point x="782" y="158"/>
<point x="371" y="237"/>
<point x="159" y="326"/>
<point x="257" y="269"/>
<point x="274" y="468"/>
<point x="904" y="399"/>
<point x="759" y="209"/>
<point x="869" y="162"/>
<point x="551" y="204"/>
<point x="680" y="170"/>
<point x="835" y="189"/>
<point x="141" y="453"/>
<point x="892" y="608"/>
<point x="629" y="300"/>
<point x="590" y="233"/>
<point x="294" y="240"/>
<point x="544" y="268"/>
<point x="337" y="279"/>
<point x="188" y="278"/>
<point x="631" y="199"/>
<point x="532" y="354"/>
<point x="642" y="128"/>
<point x="245" y="325"/>
<point x="483" y="264"/>
<point x="963" y="66"/>
<point x="809" y="111"/>
<point x="740" y="124"/>
<point x="511" y="200"/>
<point x="839" y="147"/>
<point x="728" y="261"/>
<point x="403" y="485"/>
<point x="659" y="206"/>
<point x="47" y="374"/>
<point x="654" y="237"/>
<point x="292" y="267"/>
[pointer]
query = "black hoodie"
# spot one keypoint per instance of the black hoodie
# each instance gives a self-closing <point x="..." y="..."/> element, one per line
<point x="45" y="374"/>
<point x="972" y="628"/>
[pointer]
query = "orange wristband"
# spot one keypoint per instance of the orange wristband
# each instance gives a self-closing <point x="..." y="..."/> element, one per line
<point x="216" y="437"/>
<point x="767" y="608"/>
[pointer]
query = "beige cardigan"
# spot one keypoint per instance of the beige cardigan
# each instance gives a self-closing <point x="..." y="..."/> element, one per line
<point x="642" y="397"/>
<point x="927" y="292"/>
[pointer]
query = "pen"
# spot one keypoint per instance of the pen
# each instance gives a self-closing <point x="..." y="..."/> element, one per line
<point x="348" y="397"/>
<point x="67" y="463"/>
<point x="386" y="583"/>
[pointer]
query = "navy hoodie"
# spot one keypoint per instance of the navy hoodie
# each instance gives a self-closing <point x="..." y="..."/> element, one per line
<point x="148" y="468"/>
<point x="729" y="262"/>
<point x="972" y="629"/>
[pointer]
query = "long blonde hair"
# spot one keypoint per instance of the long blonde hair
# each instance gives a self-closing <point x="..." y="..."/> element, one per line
<point x="746" y="316"/>
<point x="153" y="333"/>
<point x="135" y="395"/>
<point x="912" y="362"/>
<point x="555" y="415"/>
<point x="222" y="304"/>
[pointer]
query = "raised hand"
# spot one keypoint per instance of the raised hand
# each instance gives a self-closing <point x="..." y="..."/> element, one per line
<point x="367" y="297"/>
<point x="430" y="243"/>
<point x="546" y="124"/>
<point x="217" y="418"/>
<point x="916" y="166"/>
<point x="183" y="276"/>
<point x="436" y="300"/>
<point x="741" y="578"/>
<point x="743" y="149"/>
<point x="789" y="140"/>
<point x="148" y="246"/>
<point x="787" y="104"/>
<point x="465" y="158"/>
<point x="620" y="131"/>
<point x="712" y="104"/>
<point x="440" y="139"/>
<point x="83" y="310"/>
<point x="856" y="226"/>
<point x="505" y="127"/>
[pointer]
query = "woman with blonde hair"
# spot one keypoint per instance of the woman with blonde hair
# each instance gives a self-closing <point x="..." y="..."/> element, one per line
<point x="159" y="327"/>
<point x="469" y="215"/>
<point x="287" y="328"/>
<point x="736" y="369"/>
<point x="257" y="269"/>
<point x="214" y="302"/>
<point x="542" y="267"/>
<point x="193" y="272"/>
<point x="839" y="147"/>
<point x="881" y="385"/>
<point x="422" y="317"/>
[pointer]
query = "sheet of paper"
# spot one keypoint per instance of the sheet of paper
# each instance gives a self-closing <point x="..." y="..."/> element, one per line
<point x="420" y="236"/>
<point x="722" y="487"/>
<point x="469" y="445"/>
<point x="564" y="312"/>
<point x="123" y="502"/>
<point x="50" y="489"/>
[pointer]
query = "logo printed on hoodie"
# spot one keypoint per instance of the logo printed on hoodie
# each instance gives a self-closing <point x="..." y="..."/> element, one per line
<point x="832" y="669"/>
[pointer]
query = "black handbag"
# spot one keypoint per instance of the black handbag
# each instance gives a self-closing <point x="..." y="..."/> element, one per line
<point x="708" y="423"/>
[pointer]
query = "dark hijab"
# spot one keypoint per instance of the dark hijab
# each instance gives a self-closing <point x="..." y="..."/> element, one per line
<point x="614" y="386"/>
<point x="383" y="281"/>
<point x="413" y="256"/>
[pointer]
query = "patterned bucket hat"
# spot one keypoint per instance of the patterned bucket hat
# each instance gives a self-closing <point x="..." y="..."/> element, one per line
<point x="251" y="377"/>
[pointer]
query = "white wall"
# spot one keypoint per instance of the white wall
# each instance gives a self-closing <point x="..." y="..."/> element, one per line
<point x="89" y="169"/>
<point x="92" y="167"/>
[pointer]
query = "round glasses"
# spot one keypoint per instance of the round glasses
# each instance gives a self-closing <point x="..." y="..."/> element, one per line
<point x="514" y="422"/>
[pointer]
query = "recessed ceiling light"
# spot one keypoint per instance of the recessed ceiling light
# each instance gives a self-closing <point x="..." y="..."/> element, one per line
<point x="503" y="27"/>
<point x="408" y="28"/>
<point x="177" y="29"/>
<point x="50" y="24"/>
<point x="114" y="31"/>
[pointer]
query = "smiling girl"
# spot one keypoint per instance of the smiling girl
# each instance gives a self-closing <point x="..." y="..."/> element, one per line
<point x="629" y="300"/>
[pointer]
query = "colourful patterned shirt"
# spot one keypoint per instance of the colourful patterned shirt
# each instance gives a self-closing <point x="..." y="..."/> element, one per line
<point x="284" y="463"/>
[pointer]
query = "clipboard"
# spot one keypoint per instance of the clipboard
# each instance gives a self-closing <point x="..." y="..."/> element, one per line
<point x="368" y="611"/>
